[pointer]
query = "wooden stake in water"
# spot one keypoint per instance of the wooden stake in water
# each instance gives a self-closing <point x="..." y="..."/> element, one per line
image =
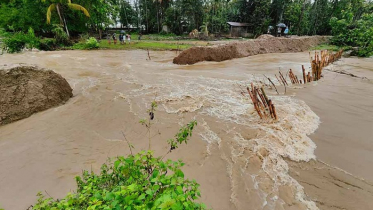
<point x="304" y="75"/>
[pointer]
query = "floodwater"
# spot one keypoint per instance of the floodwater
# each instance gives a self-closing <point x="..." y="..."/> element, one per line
<point x="240" y="161"/>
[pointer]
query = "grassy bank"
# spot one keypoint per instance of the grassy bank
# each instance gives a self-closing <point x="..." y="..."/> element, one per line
<point x="151" y="45"/>
<point x="326" y="47"/>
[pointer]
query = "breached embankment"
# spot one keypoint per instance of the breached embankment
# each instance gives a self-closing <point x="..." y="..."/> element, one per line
<point x="262" y="45"/>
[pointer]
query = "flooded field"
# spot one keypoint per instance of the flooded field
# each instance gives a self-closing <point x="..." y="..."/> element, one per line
<point x="240" y="161"/>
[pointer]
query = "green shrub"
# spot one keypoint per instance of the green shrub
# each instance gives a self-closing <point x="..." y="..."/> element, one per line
<point x="48" y="44"/>
<point x="3" y="33"/>
<point x="138" y="181"/>
<point x="18" y="41"/>
<point x="91" y="43"/>
<point x="61" y="37"/>
<point x="358" y="34"/>
<point x="31" y="40"/>
<point x="15" y="43"/>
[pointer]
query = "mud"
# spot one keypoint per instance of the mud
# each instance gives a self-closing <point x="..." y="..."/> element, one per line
<point x="26" y="90"/>
<point x="262" y="45"/>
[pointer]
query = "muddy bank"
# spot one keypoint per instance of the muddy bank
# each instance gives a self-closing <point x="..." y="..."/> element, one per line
<point x="26" y="90"/>
<point x="262" y="45"/>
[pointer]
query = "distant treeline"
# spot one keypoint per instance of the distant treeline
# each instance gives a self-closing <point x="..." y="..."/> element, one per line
<point x="304" y="17"/>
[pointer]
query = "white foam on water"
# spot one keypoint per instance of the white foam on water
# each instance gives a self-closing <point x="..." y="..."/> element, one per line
<point x="209" y="136"/>
<point x="221" y="99"/>
<point x="284" y="138"/>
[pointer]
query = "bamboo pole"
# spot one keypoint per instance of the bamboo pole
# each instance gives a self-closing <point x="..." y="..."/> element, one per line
<point x="264" y="94"/>
<point x="273" y="85"/>
<point x="278" y="80"/>
<point x="273" y="109"/>
<point x="283" y="78"/>
<point x="304" y="74"/>
<point x="254" y="102"/>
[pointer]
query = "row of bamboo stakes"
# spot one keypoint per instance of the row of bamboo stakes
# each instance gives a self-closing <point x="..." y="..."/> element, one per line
<point x="323" y="59"/>
<point x="320" y="60"/>
<point x="263" y="106"/>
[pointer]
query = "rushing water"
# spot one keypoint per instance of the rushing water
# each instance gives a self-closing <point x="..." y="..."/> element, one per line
<point x="238" y="159"/>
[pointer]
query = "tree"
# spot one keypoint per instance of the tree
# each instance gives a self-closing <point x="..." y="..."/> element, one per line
<point x="359" y="27"/>
<point x="255" y="12"/>
<point x="102" y="13"/>
<point x="20" y="15"/>
<point x="127" y="15"/>
<point x="59" y="6"/>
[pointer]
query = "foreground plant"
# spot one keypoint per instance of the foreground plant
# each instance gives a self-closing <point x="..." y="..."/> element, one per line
<point x="139" y="181"/>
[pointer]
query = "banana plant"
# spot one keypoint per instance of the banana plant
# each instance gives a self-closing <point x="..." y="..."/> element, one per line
<point x="58" y="6"/>
<point x="204" y="29"/>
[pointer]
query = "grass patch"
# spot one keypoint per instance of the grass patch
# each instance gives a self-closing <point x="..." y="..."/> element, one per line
<point x="144" y="45"/>
<point x="326" y="47"/>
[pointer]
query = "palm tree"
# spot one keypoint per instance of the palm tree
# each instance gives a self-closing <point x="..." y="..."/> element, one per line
<point x="57" y="5"/>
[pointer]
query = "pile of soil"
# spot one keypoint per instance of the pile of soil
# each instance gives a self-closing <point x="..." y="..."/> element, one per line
<point x="265" y="36"/>
<point x="248" y="48"/>
<point x="25" y="90"/>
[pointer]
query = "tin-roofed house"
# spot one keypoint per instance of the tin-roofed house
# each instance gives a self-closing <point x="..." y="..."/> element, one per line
<point x="238" y="29"/>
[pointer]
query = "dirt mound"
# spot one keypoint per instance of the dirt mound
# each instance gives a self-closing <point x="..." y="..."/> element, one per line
<point x="248" y="48"/>
<point x="265" y="36"/>
<point x="25" y="90"/>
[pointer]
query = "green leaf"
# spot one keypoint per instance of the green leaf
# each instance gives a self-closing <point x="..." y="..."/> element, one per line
<point x="141" y="197"/>
<point x="109" y="196"/>
<point x="179" y="189"/>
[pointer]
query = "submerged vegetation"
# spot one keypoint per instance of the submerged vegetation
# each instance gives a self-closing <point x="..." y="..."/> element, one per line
<point x="137" y="181"/>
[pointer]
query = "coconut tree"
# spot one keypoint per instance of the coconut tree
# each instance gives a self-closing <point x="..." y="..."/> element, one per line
<point x="58" y="6"/>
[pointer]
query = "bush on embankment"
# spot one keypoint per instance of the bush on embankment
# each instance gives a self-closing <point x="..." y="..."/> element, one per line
<point x="89" y="44"/>
<point x="16" y="42"/>
<point x="354" y="32"/>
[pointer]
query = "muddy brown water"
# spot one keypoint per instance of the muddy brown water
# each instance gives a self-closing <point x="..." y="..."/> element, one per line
<point x="240" y="161"/>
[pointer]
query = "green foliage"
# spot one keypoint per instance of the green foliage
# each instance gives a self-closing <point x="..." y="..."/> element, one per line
<point x="20" y="15"/>
<point x="140" y="181"/>
<point x="303" y="17"/>
<point x="31" y="40"/>
<point x="91" y="43"/>
<point x="15" y="43"/>
<point x="3" y="33"/>
<point x="182" y="136"/>
<point x="60" y="35"/>
<point x="18" y="41"/>
<point x="127" y="15"/>
<point x="359" y="32"/>
<point x="48" y="44"/>
<point x="151" y="45"/>
<point x="326" y="47"/>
